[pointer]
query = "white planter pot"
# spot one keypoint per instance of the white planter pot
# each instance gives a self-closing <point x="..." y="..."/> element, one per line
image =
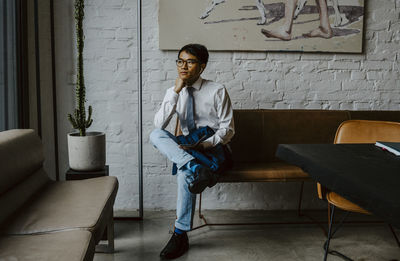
<point x="87" y="153"/>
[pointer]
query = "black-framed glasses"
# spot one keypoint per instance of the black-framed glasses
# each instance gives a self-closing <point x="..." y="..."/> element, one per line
<point x="189" y="62"/>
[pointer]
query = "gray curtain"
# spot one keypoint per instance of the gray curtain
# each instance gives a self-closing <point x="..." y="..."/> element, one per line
<point x="8" y="65"/>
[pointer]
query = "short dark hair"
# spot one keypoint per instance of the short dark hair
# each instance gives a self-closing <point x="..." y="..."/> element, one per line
<point x="198" y="50"/>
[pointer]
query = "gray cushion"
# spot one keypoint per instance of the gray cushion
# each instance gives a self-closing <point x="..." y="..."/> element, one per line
<point x="82" y="204"/>
<point x="21" y="175"/>
<point x="61" y="246"/>
<point x="17" y="196"/>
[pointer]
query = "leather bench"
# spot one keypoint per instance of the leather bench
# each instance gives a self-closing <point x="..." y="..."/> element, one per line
<point x="41" y="219"/>
<point x="258" y="133"/>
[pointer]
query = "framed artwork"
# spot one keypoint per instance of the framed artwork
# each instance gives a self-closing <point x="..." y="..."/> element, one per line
<point x="263" y="25"/>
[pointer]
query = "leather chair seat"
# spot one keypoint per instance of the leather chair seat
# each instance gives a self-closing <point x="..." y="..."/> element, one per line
<point x="62" y="246"/>
<point x="81" y="205"/>
<point x="263" y="172"/>
<point x="344" y="204"/>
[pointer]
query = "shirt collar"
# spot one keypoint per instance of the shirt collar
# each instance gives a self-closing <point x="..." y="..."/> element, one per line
<point x="197" y="84"/>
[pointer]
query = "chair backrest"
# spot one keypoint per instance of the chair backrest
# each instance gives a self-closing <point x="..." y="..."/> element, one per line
<point x="365" y="131"/>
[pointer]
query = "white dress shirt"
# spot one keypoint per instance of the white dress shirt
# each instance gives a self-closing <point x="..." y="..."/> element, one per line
<point x="212" y="107"/>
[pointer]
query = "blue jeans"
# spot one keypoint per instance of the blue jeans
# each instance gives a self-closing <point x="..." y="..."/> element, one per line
<point x="167" y="144"/>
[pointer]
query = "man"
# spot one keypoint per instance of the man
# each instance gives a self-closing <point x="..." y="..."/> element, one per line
<point x="203" y="107"/>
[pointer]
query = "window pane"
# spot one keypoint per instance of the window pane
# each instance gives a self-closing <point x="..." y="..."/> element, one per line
<point x="8" y="65"/>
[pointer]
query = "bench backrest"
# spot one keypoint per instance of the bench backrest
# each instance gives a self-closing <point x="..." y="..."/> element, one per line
<point x="258" y="132"/>
<point x="21" y="171"/>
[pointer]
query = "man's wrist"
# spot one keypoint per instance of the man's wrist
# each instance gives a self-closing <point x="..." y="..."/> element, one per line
<point x="177" y="90"/>
<point x="206" y="145"/>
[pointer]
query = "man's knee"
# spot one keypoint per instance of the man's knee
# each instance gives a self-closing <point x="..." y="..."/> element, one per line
<point x="156" y="134"/>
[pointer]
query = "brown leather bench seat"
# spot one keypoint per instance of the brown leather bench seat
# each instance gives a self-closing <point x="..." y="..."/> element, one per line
<point x="263" y="172"/>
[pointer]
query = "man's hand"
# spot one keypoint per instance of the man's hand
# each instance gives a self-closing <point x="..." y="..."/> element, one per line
<point x="179" y="84"/>
<point x="198" y="146"/>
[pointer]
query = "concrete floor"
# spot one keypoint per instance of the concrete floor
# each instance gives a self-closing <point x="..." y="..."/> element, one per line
<point x="143" y="240"/>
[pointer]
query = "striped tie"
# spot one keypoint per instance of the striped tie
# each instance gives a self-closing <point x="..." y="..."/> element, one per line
<point x="190" y="110"/>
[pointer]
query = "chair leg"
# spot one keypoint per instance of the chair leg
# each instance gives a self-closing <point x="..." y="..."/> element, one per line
<point x="300" y="199"/>
<point x="394" y="234"/>
<point x="329" y="232"/>
<point x="329" y="213"/>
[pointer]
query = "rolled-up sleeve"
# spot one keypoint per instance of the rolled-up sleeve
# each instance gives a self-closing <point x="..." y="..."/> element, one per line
<point x="167" y="110"/>
<point x="226" y="128"/>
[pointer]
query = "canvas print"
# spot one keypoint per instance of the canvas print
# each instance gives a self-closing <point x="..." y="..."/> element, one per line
<point x="278" y="25"/>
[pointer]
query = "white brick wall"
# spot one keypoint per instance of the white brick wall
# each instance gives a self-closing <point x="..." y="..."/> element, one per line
<point x="369" y="81"/>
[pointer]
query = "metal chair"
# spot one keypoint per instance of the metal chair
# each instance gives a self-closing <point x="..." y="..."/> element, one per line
<point x="355" y="131"/>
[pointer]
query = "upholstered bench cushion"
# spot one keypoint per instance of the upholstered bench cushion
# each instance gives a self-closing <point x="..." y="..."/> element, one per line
<point x="21" y="173"/>
<point x="83" y="204"/>
<point x="263" y="172"/>
<point x="60" y="246"/>
<point x="21" y="154"/>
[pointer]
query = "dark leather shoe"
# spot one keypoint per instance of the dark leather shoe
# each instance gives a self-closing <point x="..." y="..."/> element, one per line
<point x="203" y="179"/>
<point x="176" y="246"/>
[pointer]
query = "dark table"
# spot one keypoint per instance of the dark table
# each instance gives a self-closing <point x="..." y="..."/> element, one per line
<point x="362" y="173"/>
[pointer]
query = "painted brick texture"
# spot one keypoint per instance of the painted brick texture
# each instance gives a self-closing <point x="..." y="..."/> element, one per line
<point x="368" y="81"/>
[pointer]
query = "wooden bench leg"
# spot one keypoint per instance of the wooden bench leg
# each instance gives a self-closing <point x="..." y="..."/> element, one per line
<point x="110" y="233"/>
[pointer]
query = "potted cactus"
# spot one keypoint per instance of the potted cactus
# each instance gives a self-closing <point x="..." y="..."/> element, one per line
<point x="86" y="150"/>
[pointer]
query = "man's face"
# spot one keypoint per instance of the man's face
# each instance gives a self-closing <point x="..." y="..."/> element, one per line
<point x="191" y="69"/>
